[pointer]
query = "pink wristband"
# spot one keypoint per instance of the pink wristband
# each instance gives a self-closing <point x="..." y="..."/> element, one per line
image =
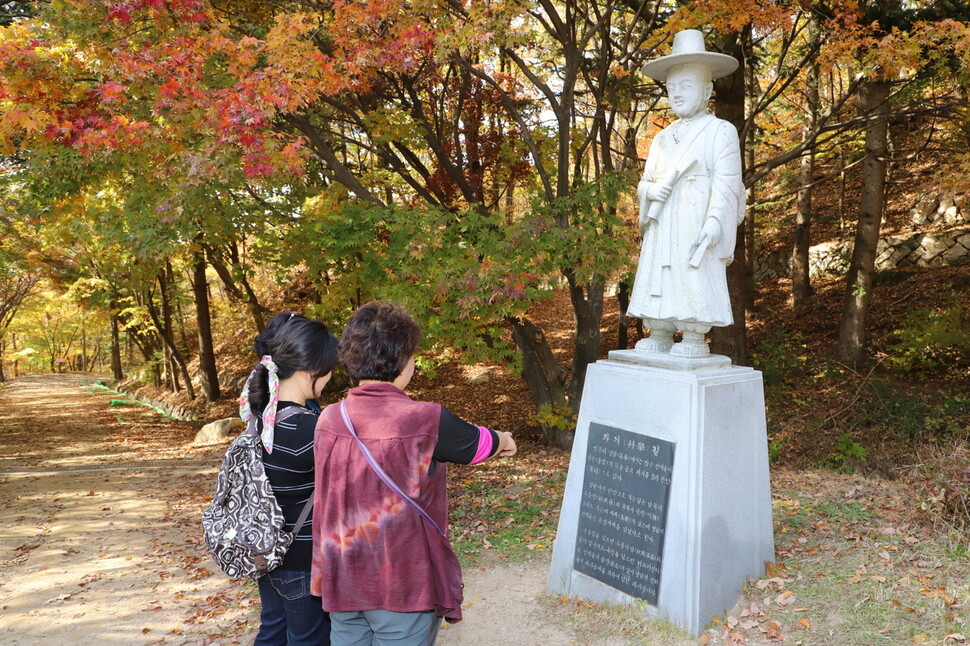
<point x="485" y="446"/>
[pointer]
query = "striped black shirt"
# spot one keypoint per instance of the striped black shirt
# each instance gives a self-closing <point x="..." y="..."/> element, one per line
<point x="290" y="471"/>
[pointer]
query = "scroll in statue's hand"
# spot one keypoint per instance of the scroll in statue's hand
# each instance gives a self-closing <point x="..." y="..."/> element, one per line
<point x="658" y="192"/>
<point x="709" y="237"/>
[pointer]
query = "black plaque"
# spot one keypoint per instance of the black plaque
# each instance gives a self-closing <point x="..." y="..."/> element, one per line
<point x="623" y="511"/>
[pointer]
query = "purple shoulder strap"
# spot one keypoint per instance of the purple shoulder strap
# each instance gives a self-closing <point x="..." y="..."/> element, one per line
<point x="380" y="472"/>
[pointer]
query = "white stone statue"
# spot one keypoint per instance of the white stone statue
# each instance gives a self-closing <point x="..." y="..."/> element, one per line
<point x="691" y="203"/>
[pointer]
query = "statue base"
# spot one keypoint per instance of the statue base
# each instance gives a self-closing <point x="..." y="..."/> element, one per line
<point x="670" y="362"/>
<point x="686" y="550"/>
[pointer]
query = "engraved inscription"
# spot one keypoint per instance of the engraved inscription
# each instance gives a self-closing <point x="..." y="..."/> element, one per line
<point x="623" y="510"/>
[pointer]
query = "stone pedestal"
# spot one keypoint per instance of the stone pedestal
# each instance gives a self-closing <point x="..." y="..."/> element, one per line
<point x="718" y="527"/>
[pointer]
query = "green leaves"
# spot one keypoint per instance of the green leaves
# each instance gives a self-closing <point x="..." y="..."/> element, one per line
<point x="463" y="274"/>
<point x="584" y="232"/>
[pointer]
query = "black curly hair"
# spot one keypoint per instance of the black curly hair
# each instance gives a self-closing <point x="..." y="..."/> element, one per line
<point x="378" y="341"/>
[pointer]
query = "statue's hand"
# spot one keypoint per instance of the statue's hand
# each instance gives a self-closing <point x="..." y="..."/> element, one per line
<point x="657" y="192"/>
<point x="711" y="231"/>
<point x="644" y="223"/>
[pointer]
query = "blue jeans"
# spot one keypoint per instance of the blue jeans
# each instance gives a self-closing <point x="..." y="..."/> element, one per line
<point x="290" y="615"/>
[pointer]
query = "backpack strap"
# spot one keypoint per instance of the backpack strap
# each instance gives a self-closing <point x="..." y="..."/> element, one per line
<point x="301" y="521"/>
<point x="287" y="412"/>
<point x="290" y="411"/>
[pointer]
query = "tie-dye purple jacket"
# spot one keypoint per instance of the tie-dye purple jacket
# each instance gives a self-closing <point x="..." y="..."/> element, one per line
<point x="370" y="550"/>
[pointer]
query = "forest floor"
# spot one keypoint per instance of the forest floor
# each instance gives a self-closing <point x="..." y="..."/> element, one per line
<point x="99" y="516"/>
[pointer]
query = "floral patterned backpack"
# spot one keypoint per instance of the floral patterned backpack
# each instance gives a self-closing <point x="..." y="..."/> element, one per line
<point x="243" y="525"/>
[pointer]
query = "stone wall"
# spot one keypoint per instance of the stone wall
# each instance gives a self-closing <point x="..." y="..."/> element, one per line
<point x="942" y="238"/>
<point x="941" y="211"/>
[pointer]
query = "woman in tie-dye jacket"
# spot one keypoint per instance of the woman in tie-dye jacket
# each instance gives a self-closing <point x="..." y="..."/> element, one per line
<point x="385" y="573"/>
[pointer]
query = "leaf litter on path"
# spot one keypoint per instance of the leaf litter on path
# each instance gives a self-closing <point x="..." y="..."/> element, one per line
<point x="107" y="556"/>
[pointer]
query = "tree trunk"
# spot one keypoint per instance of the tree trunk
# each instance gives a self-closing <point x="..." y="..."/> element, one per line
<point x="623" y="327"/>
<point x="546" y="382"/>
<point x="588" y="311"/>
<point x="729" y="105"/>
<point x="208" y="374"/>
<point x="843" y="190"/>
<point x="156" y="374"/>
<point x="165" y="332"/>
<point x="874" y="98"/>
<point x="802" y="291"/>
<point x="116" y="370"/>
<point x="179" y="310"/>
<point x="82" y="364"/>
<point x="749" y="148"/>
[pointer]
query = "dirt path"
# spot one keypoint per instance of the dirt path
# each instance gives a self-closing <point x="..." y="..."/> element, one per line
<point x="100" y="541"/>
<point x="503" y="606"/>
<point x="99" y="538"/>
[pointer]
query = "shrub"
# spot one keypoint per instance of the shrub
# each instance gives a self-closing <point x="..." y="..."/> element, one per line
<point x="911" y="415"/>
<point x="930" y="339"/>
<point x="847" y="456"/>
<point x="779" y="359"/>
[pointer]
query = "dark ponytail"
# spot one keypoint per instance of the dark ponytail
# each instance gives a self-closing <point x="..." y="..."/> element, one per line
<point x="295" y="343"/>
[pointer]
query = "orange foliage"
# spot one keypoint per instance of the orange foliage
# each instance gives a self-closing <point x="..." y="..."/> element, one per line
<point x="147" y="76"/>
<point x="186" y="72"/>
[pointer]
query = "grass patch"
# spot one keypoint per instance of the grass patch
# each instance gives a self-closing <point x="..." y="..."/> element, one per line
<point x="853" y="570"/>
<point x="509" y="508"/>
<point x="874" y="591"/>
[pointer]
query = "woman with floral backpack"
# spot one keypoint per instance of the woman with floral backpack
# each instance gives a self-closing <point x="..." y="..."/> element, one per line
<point x="297" y="358"/>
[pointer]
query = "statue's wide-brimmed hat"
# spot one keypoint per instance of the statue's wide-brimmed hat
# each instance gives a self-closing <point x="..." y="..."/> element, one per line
<point x="689" y="48"/>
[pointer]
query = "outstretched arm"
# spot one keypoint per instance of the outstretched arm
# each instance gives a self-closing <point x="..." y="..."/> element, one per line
<point x="464" y="443"/>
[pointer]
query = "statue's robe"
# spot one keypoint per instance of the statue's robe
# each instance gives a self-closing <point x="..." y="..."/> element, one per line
<point x="667" y="286"/>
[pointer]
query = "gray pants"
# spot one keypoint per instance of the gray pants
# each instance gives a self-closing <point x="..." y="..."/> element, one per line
<point x="384" y="628"/>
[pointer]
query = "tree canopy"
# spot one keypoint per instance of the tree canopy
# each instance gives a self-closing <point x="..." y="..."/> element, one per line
<point x="464" y="159"/>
